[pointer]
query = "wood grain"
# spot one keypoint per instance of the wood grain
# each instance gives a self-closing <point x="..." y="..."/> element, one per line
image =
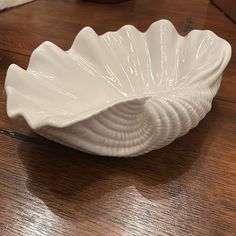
<point x="228" y="7"/>
<point x="186" y="188"/>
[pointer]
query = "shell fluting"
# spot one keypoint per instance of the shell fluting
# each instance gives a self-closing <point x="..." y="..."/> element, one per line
<point x="123" y="93"/>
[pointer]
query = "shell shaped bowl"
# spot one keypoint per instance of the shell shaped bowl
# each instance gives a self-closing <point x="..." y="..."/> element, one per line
<point x="122" y="93"/>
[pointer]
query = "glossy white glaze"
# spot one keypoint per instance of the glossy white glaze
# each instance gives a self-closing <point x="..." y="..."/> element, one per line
<point x="123" y="93"/>
<point x="12" y="3"/>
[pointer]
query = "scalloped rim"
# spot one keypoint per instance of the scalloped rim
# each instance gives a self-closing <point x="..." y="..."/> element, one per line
<point x="48" y="121"/>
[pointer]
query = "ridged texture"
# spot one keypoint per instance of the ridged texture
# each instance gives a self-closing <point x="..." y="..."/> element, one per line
<point x="123" y="93"/>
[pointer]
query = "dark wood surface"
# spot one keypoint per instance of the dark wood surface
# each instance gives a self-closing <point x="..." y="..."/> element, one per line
<point x="228" y="7"/>
<point x="186" y="188"/>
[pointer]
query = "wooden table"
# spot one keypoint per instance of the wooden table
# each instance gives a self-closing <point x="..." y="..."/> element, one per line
<point x="186" y="188"/>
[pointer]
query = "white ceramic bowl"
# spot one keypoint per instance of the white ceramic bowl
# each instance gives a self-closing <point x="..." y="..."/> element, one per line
<point x="123" y="93"/>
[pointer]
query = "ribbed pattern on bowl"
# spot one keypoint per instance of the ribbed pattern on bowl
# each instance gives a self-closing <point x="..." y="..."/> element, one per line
<point x="123" y="93"/>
